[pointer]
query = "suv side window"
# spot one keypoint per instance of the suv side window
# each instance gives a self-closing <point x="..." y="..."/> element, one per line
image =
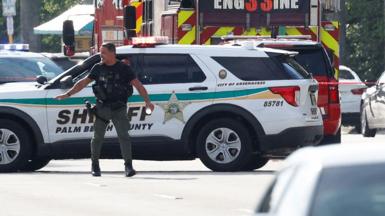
<point x="253" y="68"/>
<point x="169" y="68"/>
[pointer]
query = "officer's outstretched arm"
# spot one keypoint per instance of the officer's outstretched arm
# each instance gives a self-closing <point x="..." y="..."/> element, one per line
<point x="143" y="92"/>
<point x="81" y="84"/>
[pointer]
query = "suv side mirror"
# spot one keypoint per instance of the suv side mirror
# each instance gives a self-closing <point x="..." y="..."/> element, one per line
<point x="69" y="38"/>
<point x="66" y="82"/>
<point x="41" y="79"/>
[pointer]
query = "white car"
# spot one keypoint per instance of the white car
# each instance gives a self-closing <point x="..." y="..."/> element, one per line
<point x="330" y="180"/>
<point x="232" y="107"/>
<point x="351" y="89"/>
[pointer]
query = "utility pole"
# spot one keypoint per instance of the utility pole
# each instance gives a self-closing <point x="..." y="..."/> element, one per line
<point x="29" y="18"/>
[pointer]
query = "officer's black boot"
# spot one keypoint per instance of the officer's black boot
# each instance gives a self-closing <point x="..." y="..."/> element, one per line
<point x="95" y="169"/>
<point x="129" y="170"/>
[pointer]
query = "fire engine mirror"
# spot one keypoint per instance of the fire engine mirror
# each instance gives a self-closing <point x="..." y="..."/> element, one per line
<point x="187" y="4"/>
<point x="129" y="17"/>
<point x="68" y="33"/>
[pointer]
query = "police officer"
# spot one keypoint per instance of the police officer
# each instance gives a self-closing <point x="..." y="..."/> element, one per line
<point x="113" y="85"/>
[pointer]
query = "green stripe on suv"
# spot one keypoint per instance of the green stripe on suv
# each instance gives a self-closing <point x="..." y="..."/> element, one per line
<point x="138" y="98"/>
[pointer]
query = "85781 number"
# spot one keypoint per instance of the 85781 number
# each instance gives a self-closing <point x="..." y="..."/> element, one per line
<point x="273" y="104"/>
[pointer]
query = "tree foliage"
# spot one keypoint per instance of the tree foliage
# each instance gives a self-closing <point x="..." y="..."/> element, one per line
<point x="365" y="37"/>
<point x="50" y="9"/>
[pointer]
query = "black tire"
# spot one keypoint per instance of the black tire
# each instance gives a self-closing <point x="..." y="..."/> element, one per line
<point x="332" y="139"/>
<point x="36" y="164"/>
<point x="16" y="135"/>
<point x="239" y="156"/>
<point x="256" y="162"/>
<point x="365" y="130"/>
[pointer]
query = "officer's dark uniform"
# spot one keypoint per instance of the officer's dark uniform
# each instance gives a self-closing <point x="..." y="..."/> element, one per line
<point x="112" y="88"/>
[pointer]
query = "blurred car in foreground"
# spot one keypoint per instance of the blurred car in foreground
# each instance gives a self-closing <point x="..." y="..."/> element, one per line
<point x="373" y="108"/>
<point x="351" y="89"/>
<point x="331" y="180"/>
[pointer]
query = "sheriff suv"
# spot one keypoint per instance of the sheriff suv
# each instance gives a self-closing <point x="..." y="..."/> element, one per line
<point x="232" y="107"/>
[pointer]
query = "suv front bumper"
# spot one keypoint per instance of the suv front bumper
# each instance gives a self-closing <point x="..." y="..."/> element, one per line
<point x="291" y="139"/>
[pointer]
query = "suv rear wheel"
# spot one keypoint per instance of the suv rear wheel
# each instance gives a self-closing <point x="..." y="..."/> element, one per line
<point x="224" y="145"/>
<point x="332" y="139"/>
<point x="15" y="146"/>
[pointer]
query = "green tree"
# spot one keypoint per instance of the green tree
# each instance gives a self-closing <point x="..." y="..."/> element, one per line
<point x="365" y="39"/>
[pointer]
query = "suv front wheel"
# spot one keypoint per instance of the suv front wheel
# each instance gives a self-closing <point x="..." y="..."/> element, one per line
<point x="224" y="145"/>
<point x="15" y="146"/>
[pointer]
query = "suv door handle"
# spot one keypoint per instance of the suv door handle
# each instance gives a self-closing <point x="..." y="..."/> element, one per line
<point x="198" y="88"/>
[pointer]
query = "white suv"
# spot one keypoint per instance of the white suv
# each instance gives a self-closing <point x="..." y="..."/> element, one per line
<point x="232" y="107"/>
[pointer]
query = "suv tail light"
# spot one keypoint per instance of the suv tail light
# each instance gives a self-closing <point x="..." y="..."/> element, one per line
<point x="334" y="96"/>
<point x="289" y="93"/>
<point x="358" y="91"/>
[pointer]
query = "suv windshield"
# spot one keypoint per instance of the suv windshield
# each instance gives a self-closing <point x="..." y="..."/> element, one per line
<point x="362" y="191"/>
<point x="26" y="69"/>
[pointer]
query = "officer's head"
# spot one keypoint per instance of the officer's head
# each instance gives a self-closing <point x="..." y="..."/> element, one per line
<point x="108" y="53"/>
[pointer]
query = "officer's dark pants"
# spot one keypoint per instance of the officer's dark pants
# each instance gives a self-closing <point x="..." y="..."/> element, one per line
<point x="121" y="123"/>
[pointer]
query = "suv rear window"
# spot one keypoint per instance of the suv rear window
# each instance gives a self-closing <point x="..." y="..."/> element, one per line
<point x="252" y="68"/>
<point x="314" y="61"/>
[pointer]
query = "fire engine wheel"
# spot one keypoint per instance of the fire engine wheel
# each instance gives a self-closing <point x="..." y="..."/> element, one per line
<point x="224" y="145"/>
<point x="15" y="146"/>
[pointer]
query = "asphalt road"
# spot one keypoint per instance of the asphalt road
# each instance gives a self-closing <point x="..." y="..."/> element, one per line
<point x="161" y="188"/>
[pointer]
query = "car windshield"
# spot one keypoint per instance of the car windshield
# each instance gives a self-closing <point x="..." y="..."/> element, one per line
<point x="26" y="69"/>
<point x="353" y="191"/>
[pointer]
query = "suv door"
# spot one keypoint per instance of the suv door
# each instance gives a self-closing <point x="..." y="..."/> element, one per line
<point x="68" y="119"/>
<point x="179" y="85"/>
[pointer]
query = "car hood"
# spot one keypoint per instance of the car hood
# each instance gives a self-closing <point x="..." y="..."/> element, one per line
<point x="18" y="86"/>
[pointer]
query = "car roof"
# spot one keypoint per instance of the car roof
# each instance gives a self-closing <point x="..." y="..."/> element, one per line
<point x="209" y="50"/>
<point x="338" y="155"/>
<point x="19" y="54"/>
<point x="343" y="67"/>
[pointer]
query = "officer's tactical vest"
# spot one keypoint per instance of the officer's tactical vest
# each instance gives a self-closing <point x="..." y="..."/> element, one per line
<point x="110" y="88"/>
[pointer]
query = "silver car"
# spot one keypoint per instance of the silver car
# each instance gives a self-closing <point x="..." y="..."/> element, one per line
<point x="329" y="181"/>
